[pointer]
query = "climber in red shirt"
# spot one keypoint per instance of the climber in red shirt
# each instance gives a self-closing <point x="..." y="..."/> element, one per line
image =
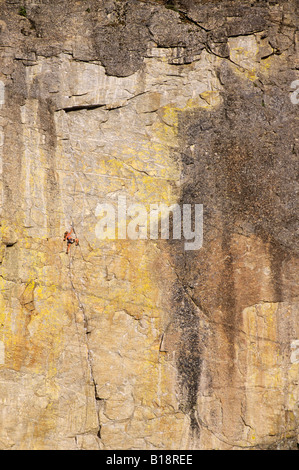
<point x="68" y="238"/>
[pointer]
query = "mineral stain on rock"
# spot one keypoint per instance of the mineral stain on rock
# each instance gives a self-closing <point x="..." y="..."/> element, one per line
<point x="141" y="344"/>
<point x="233" y="174"/>
<point x="188" y="360"/>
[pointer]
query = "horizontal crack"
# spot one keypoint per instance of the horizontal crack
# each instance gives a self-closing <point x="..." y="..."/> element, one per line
<point x="80" y="108"/>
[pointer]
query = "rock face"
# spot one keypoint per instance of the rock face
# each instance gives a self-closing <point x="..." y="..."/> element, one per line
<point x="141" y="344"/>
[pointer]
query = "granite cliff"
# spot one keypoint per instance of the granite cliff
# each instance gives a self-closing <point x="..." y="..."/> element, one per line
<point x="140" y="344"/>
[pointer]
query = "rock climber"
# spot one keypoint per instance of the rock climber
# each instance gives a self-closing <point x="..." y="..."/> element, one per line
<point x="68" y="238"/>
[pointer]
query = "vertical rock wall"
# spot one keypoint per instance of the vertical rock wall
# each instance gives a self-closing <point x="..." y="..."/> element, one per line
<point x="140" y="344"/>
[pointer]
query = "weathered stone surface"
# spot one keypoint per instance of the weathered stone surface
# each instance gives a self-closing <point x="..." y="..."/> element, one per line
<point x="140" y="344"/>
